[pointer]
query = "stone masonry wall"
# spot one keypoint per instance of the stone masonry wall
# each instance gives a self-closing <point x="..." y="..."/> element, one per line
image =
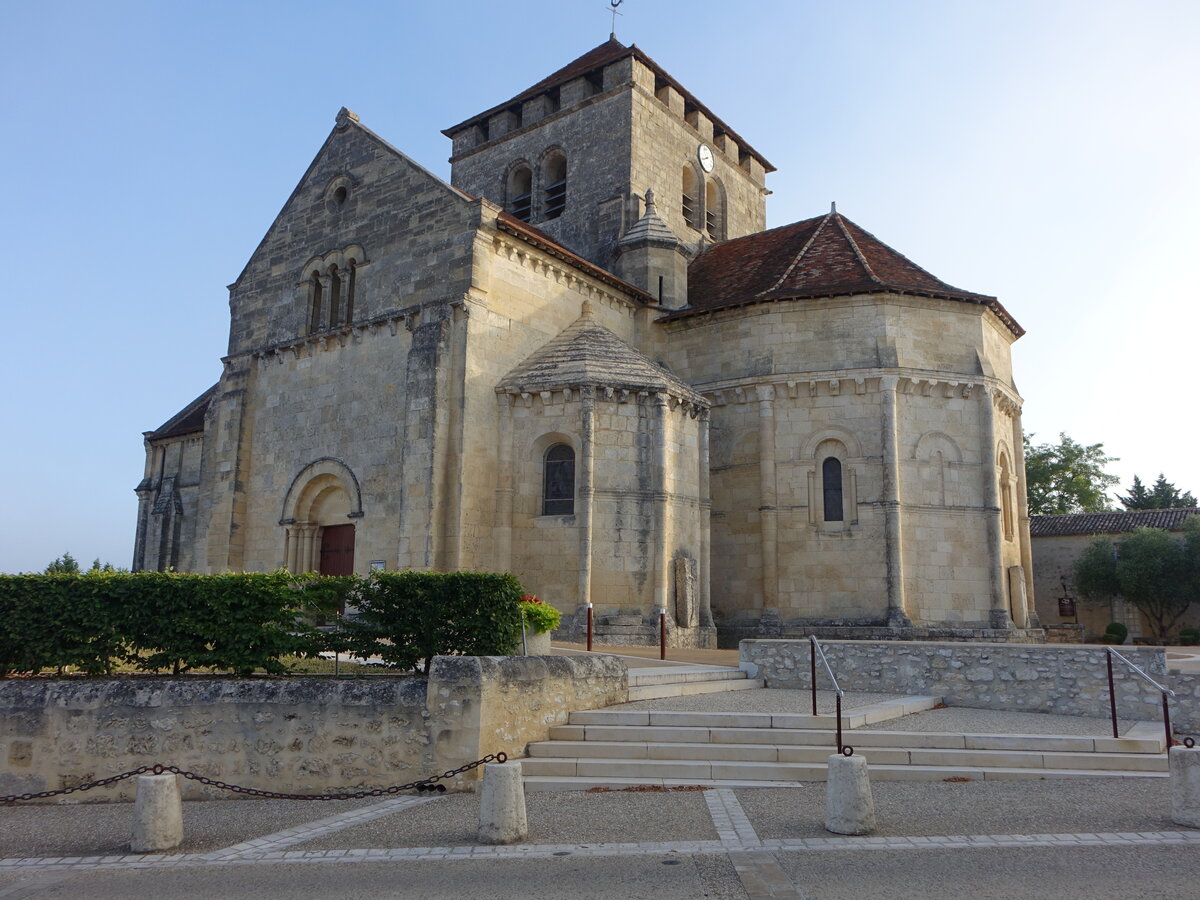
<point x="304" y="735"/>
<point x="1070" y="680"/>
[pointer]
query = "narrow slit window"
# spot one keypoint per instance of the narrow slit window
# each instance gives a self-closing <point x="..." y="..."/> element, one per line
<point x="712" y="211"/>
<point x="314" y="316"/>
<point x="831" y="484"/>
<point x="558" y="481"/>
<point x="691" y="198"/>
<point x="351" y="276"/>
<point x="335" y="296"/>
<point x="554" y="190"/>
<point x="520" y="193"/>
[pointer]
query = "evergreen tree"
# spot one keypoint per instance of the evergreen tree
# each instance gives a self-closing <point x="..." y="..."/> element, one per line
<point x="64" y="565"/>
<point x="1164" y="495"/>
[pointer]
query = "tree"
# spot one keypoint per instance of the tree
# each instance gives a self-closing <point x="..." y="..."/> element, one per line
<point x="1067" y="477"/>
<point x="64" y="565"/>
<point x="1164" y="495"/>
<point x="1152" y="570"/>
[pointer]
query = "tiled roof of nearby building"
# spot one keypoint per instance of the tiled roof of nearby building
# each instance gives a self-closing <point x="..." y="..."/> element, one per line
<point x="828" y="256"/>
<point x="587" y="353"/>
<point x="607" y="53"/>
<point x="1109" y="522"/>
<point x="188" y="420"/>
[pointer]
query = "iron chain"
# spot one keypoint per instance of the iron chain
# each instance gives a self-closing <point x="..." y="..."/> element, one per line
<point x="425" y="784"/>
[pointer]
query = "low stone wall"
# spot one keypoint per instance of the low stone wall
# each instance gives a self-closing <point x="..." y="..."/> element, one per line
<point x="294" y="735"/>
<point x="1185" y="708"/>
<point x="1071" y="680"/>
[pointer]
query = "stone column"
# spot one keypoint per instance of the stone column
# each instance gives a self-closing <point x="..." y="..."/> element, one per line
<point x="893" y="525"/>
<point x="998" y="616"/>
<point x="308" y="551"/>
<point x="662" y="569"/>
<point x="585" y="493"/>
<point x="767" y="494"/>
<point x="326" y="297"/>
<point x="292" y="548"/>
<point x="705" y="525"/>
<point x="1018" y="432"/>
<point x="504" y="484"/>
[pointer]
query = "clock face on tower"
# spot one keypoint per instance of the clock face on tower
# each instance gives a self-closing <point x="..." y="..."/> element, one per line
<point x="704" y="154"/>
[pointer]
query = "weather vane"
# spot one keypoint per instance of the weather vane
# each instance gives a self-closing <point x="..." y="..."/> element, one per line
<point x="613" y="4"/>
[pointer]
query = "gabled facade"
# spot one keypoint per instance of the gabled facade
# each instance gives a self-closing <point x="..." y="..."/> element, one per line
<point x="584" y="361"/>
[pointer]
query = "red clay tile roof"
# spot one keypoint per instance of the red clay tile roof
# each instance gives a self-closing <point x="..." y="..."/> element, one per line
<point x="597" y="58"/>
<point x="1109" y="522"/>
<point x="828" y="256"/>
<point x="188" y="420"/>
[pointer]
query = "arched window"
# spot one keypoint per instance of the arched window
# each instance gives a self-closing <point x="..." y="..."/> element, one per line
<point x="520" y="193"/>
<point x="554" y="186"/>
<point x="691" y="197"/>
<point x="314" y="318"/>
<point x="335" y="296"/>
<point x="558" y="481"/>
<point x="831" y="486"/>
<point x="713" y="218"/>
<point x="351" y="274"/>
<point x="1006" y="500"/>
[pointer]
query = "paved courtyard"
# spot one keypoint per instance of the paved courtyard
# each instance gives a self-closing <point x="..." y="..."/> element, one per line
<point x="1064" y="838"/>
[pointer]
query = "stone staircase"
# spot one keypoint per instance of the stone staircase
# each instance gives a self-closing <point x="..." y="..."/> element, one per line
<point x="622" y="748"/>
<point x="650" y="683"/>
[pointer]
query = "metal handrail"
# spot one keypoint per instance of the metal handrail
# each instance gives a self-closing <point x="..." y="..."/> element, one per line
<point x="816" y="650"/>
<point x="1112" y="693"/>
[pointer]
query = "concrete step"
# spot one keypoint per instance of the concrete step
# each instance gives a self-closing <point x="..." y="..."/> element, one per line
<point x="679" y="674"/>
<point x="624" y="751"/>
<point x="879" y="773"/>
<point x="853" y="718"/>
<point x="825" y="737"/>
<point x="687" y="688"/>
<point x="655" y="771"/>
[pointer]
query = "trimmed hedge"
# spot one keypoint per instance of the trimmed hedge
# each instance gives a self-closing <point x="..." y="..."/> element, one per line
<point x="243" y="622"/>
<point x="407" y="617"/>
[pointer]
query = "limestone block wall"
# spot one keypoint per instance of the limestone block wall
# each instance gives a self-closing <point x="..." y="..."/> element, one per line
<point x="1071" y="680"/>
<point x="357" y="185"/>
<point x="589" y="134"/>
<point x="301" y="735"/>
<point x="525" y="300"/>
<point x="168" y="502"/>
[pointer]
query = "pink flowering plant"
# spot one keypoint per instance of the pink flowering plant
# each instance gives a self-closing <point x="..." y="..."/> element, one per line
<point x="539" y="616"/>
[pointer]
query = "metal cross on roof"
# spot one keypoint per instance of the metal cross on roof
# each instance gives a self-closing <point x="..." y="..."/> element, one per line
<point x="613" y="4"/>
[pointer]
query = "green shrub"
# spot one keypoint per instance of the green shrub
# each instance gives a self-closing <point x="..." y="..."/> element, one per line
<point x="1117" y="630"/>
<point x="407" y="618"/>
<point x="539" y="617"/>
<point x="1189" y="637"/>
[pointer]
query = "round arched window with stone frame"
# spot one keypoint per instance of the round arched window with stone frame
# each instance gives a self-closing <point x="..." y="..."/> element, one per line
<point x="558" y="481"/>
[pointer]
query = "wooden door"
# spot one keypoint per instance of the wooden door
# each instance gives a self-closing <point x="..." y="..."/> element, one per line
<point x="337" y="550"/>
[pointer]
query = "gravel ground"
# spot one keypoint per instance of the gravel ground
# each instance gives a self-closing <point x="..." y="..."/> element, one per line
<point x="755" y="700"/>
<point x="914" y="809"/>
<point x="574" y="817"/>
<point x="961" y="720"/>
<point x="102" y="829"/>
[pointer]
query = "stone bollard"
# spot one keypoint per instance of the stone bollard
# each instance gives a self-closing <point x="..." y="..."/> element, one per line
<point x="849" y="807"/>
<point x="157" y="814"/>
<point x="502" y="804"/>
<point x="1185" y="785"/>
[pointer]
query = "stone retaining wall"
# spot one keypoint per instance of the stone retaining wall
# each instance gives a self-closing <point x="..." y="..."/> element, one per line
<point x="301" y="735"/>
<point x="1071" y="680"/>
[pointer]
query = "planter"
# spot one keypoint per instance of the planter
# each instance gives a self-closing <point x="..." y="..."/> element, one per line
<point x="537" y="643"/>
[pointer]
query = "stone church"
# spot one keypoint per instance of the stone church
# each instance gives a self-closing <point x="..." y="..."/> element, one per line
<point x="586" y="362"/>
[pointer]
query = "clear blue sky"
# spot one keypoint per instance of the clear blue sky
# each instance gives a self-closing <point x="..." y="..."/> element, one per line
<point x="1045" y="152"/>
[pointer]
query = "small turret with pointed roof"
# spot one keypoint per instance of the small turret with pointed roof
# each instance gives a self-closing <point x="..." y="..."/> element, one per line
<point x="651" y="256"/>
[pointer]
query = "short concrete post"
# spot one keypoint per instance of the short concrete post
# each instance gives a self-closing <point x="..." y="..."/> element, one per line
<point x="157" y="814"/>
<point x="502" y="804"/>
<point x="849" y="807"/>
<point x="1185" y="785"/>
